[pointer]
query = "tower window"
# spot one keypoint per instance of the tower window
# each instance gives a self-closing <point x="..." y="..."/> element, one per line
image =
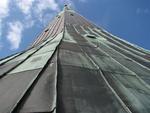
<point x="91" y="36"/>
<point x="58" y="16"/>
<point x="72" y="14"/>
<point x="46" y="30"/>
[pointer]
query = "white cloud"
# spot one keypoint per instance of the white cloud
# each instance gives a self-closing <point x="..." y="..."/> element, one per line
<point x="29" y="23"/>
<point x="30" y="9"/>
<point x="4" y="8"/>
<point x="42" y="5"/>
<point x="47" y="4"/>
<point x="36" y="8"/>
<point x="4" y="12"/>
<point x="25" y="5"/>
<point x="39" y="6"/>
<point x="15" y="34"/>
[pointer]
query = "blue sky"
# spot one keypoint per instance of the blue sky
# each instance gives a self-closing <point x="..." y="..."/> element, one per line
<point x="22" y="20"/>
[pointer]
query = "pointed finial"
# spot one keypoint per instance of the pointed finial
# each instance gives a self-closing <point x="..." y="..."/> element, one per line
<point x="66" y="7"/>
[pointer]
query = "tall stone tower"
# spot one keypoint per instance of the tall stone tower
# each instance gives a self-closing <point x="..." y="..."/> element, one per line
<point x="76" y="67"/>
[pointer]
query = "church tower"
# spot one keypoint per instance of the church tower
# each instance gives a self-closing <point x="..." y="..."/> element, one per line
<point x="76" y="67"/>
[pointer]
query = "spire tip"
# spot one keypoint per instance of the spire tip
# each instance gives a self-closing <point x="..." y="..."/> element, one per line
<point x="67" y="7"/>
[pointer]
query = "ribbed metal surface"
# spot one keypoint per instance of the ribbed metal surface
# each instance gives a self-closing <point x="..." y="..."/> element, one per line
<point x="75" y="67"/>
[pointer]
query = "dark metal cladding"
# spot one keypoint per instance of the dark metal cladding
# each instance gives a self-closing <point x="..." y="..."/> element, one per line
<point x="42" y="96"/>
<point x="13" y="87"/>
<point x="76" y="67"/>
<point x="83" y="90"/>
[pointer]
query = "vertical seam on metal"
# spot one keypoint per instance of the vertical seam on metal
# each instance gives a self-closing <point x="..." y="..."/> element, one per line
<point x="35" y="79"/>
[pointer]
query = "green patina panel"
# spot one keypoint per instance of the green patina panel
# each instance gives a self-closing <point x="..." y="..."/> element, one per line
<point x="68" y="38"/>
<point x="39" y="59"/>
<point x="109" y="64"/>
<point x="23" y="56"/>
<point x="132" y="91"/>
<point x="9" y="58"/>
<point x="76" y="59"/>
<point x="34" y="62"/>
<point x="133" y="82"/>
